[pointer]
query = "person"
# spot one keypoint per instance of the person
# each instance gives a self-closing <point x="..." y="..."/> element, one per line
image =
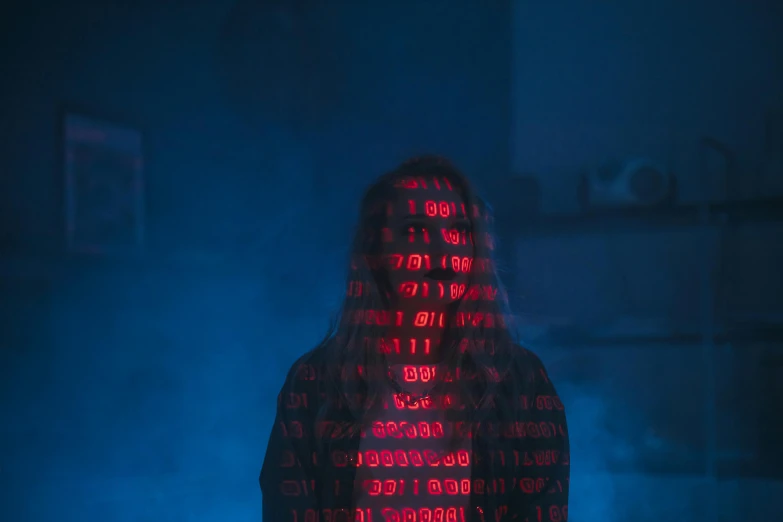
<point x="420" y="405"/>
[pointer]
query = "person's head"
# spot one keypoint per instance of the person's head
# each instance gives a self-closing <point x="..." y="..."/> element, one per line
<point x="416" y="235"/>
<point x="423" y="246"/>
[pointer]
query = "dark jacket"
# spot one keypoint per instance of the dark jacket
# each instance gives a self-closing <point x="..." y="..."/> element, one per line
<point x="520" y="467"/>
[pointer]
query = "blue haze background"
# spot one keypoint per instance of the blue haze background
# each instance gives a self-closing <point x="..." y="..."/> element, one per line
<point x="144" y="390"/>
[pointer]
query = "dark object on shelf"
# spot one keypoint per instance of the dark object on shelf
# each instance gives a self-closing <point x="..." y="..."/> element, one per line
<point x="636" y="183"/>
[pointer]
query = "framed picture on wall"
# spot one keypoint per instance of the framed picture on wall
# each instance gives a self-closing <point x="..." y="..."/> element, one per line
<point x="104" y="187"/>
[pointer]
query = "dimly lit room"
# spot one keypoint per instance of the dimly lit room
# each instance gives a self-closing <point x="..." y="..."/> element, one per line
<point x="218" y="219"/>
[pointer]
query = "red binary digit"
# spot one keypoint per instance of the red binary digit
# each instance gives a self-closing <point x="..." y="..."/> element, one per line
<point x="387" y="459"/>
<point x="443" y="209"/>
<point x="409" y="289"/>
<point x="393" y="430"/>
<point x="372" y="459"/>
<point x="414" y="262"/>
<point x="296" y="430"/>
<point x="416" y="458"/>
<point x="389" y="487"/>
<point x="420" y="319"/>
<point x="290" y="488"/>
<point x="430" y="208"/>
<point x="463" y="458"/>
<point x="412" y="207"/>
<point x="401" y="458"/>
<point x="446" y="236"/>
<point x="449" y="460"/>
<point x="431" y="457"/>
<point x="390" y="515"/>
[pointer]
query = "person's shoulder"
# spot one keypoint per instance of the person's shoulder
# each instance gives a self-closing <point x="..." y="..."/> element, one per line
<point x="306" y="369"/>
<point x="525" y="365"/>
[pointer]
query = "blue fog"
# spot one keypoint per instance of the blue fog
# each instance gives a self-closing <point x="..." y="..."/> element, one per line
<point x="142" y="388"/>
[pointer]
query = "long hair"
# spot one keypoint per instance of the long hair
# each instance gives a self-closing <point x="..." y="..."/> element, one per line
<point x="479" y="340"/>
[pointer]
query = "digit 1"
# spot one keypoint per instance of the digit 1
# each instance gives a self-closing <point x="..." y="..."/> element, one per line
<point x="426" y="346"/>
<point x="413" y="346"/>
<point x="412" y="207"/>
<point x="416" y="481"/>
<point x="427" y="261"/>
<point x="399" y="318"/>
<point x="432" y="318"/>
<point x="425" y="289"/>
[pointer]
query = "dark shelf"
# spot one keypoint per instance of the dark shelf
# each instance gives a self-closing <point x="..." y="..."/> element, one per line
<point x="633" y="219"/>
<point x="574" y="339"/>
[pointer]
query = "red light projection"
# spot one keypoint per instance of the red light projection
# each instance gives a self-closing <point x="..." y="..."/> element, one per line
<point x="422" y="453"/>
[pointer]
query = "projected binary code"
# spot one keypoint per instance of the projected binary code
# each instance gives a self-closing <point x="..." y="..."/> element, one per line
<point x="419" y="406"/>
